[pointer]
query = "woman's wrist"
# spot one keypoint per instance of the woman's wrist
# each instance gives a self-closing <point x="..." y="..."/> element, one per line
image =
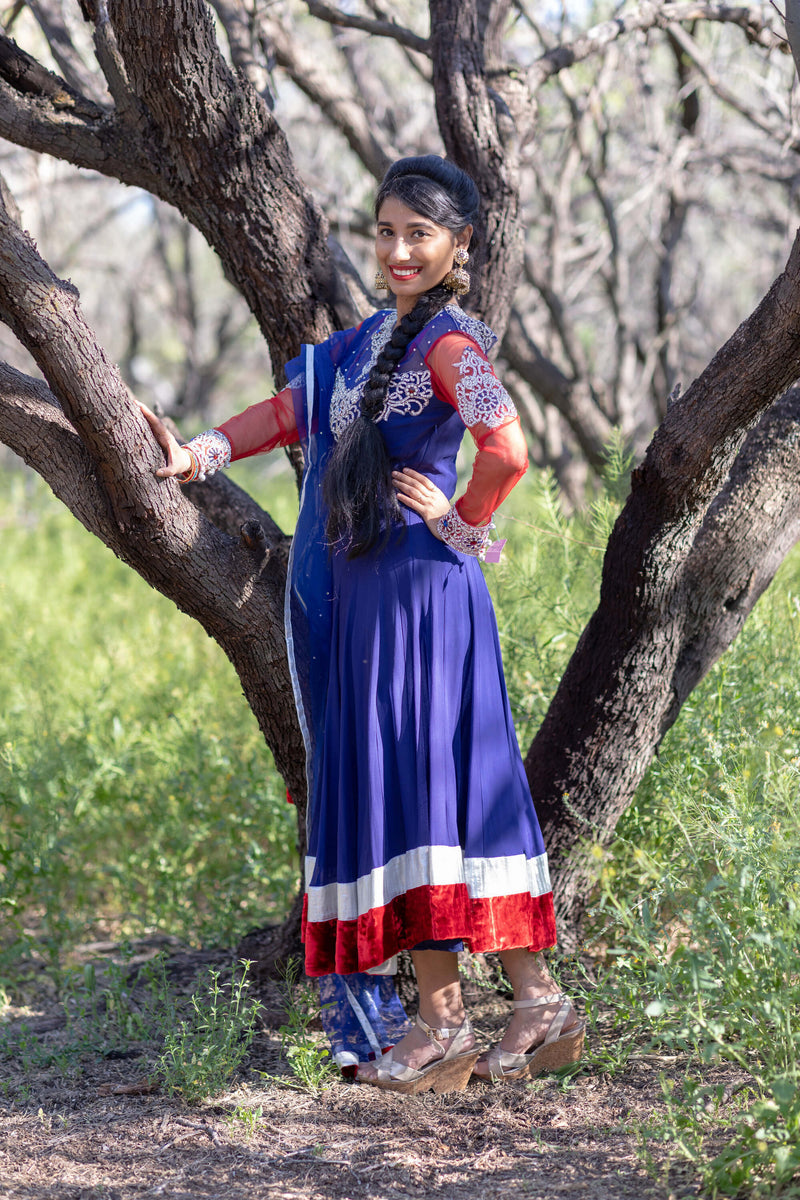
<point x="192" y="472"/>
<point x="433" y="525"/>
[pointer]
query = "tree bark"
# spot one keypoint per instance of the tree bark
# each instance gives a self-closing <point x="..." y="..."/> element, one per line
<point x="224" y="162"/>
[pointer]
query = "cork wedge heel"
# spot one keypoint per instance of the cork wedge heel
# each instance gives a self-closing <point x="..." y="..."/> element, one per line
<point x="560" y="1047"/>
<point x="449" y="1073"/>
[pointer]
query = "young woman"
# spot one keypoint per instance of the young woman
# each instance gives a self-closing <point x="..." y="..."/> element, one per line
<point x="422" y="831"/>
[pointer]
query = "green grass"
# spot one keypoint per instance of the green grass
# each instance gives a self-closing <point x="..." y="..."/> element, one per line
<point x="136" y="793"/>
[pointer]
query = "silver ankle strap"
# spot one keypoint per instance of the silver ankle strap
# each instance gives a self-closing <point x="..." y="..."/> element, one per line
<point x="551" y="999"/>
<point x="559" y="1020"/>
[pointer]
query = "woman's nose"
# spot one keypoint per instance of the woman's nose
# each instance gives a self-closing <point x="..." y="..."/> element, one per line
<point x="401" y="250"/>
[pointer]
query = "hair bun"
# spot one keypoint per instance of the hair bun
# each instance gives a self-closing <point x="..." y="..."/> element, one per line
<point x="434" y="187"/>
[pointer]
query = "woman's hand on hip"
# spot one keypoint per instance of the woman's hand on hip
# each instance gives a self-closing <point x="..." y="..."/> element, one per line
<point x="178" y="460"/>
<point x="418" y="493"/>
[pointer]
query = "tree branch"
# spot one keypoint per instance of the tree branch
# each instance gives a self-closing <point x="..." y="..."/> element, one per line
<point x="202" y="139"/>
<point x="649" y="16"/>
<point x="673" y="225"/>
<point x="480" y="135"/>
<point x="34" y="426"/>
<point x="390" y="29"/>
<point x="225" y="164"/>
<point x="747" y="532"/>
<point x="420" y="68"/>
<point x="692" y="52"/>
<point x="344" y="112"/>
<point x="25" y="75"/>
<point x="239" y="28"/>
<point x="49" y="15"/>
<point x="589" y="424"/>
<point x="97" y="142"/>
<point x="37" y="306"/>
<point x="236" y="593"/>
<point x="792" y="8"/>
<point x="111" y="64"/>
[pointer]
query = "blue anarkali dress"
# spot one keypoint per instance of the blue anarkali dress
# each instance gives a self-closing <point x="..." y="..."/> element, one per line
<point x="421" y="826"/>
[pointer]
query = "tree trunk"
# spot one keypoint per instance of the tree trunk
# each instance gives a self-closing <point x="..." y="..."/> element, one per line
<point x="189" y="130"/>
<point x="480" y="134"/>
<point x="681" y="573"/>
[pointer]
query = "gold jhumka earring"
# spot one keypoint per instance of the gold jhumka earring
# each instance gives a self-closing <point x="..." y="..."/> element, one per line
<point x="457" y="279"/>
<point x="380" y="282"/>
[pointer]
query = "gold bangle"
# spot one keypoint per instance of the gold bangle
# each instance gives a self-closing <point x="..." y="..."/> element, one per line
<point x="194" y="470"/>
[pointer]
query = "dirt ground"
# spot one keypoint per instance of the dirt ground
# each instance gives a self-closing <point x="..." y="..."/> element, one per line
<point x="75" y="1136"/>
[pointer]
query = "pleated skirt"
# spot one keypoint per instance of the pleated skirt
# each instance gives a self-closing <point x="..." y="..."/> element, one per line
<point x="422" y="825"/>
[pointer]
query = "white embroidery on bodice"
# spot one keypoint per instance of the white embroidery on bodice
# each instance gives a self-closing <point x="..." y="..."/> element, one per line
<point x="409" y="391"/>
<point x="481" y="397"/>
<point x="345" y="399"/>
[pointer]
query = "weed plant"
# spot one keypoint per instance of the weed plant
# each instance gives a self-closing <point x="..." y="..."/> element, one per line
<point x="195" y="1046"/>
<point x="204" y="1049"/>
<point x="247" y="1118"/>
<point x="303" y="1048"/>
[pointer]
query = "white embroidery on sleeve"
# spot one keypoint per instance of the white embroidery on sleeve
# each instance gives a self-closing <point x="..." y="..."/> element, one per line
<point x="480" y="395"/>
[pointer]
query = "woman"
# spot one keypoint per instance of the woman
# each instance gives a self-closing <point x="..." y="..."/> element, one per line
<point x="422" y="832"/>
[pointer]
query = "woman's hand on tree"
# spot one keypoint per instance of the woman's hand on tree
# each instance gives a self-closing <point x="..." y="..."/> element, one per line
<point x="418" y="493"/>
<point x="178" y="459"/>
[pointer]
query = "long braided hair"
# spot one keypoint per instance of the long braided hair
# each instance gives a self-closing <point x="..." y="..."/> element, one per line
<point x="357" y="488"/>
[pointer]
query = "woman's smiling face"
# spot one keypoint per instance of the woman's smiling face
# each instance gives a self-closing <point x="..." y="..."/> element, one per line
<point x="414" y="252"/>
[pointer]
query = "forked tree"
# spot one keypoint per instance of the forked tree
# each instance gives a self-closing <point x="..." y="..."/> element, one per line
<point x="713" y="506"/>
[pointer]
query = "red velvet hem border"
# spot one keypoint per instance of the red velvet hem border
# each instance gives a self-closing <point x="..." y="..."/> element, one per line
<point x="423" y="914"/>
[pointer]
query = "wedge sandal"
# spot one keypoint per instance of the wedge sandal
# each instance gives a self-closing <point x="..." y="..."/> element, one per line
<point x="559" y="1048"/>
<point x="450" y="1073"/>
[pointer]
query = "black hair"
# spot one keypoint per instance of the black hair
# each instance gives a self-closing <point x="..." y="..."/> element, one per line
<point x="357" y="488"/>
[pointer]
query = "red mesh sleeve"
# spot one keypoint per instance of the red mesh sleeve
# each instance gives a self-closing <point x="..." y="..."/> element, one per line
<point x="462" y="376"/>
<point x="262" y="426"/>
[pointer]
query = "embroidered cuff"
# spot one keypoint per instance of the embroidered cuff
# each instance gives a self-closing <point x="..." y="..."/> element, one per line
<point x="211" y="450"/>
<point x="469" y="539"/>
